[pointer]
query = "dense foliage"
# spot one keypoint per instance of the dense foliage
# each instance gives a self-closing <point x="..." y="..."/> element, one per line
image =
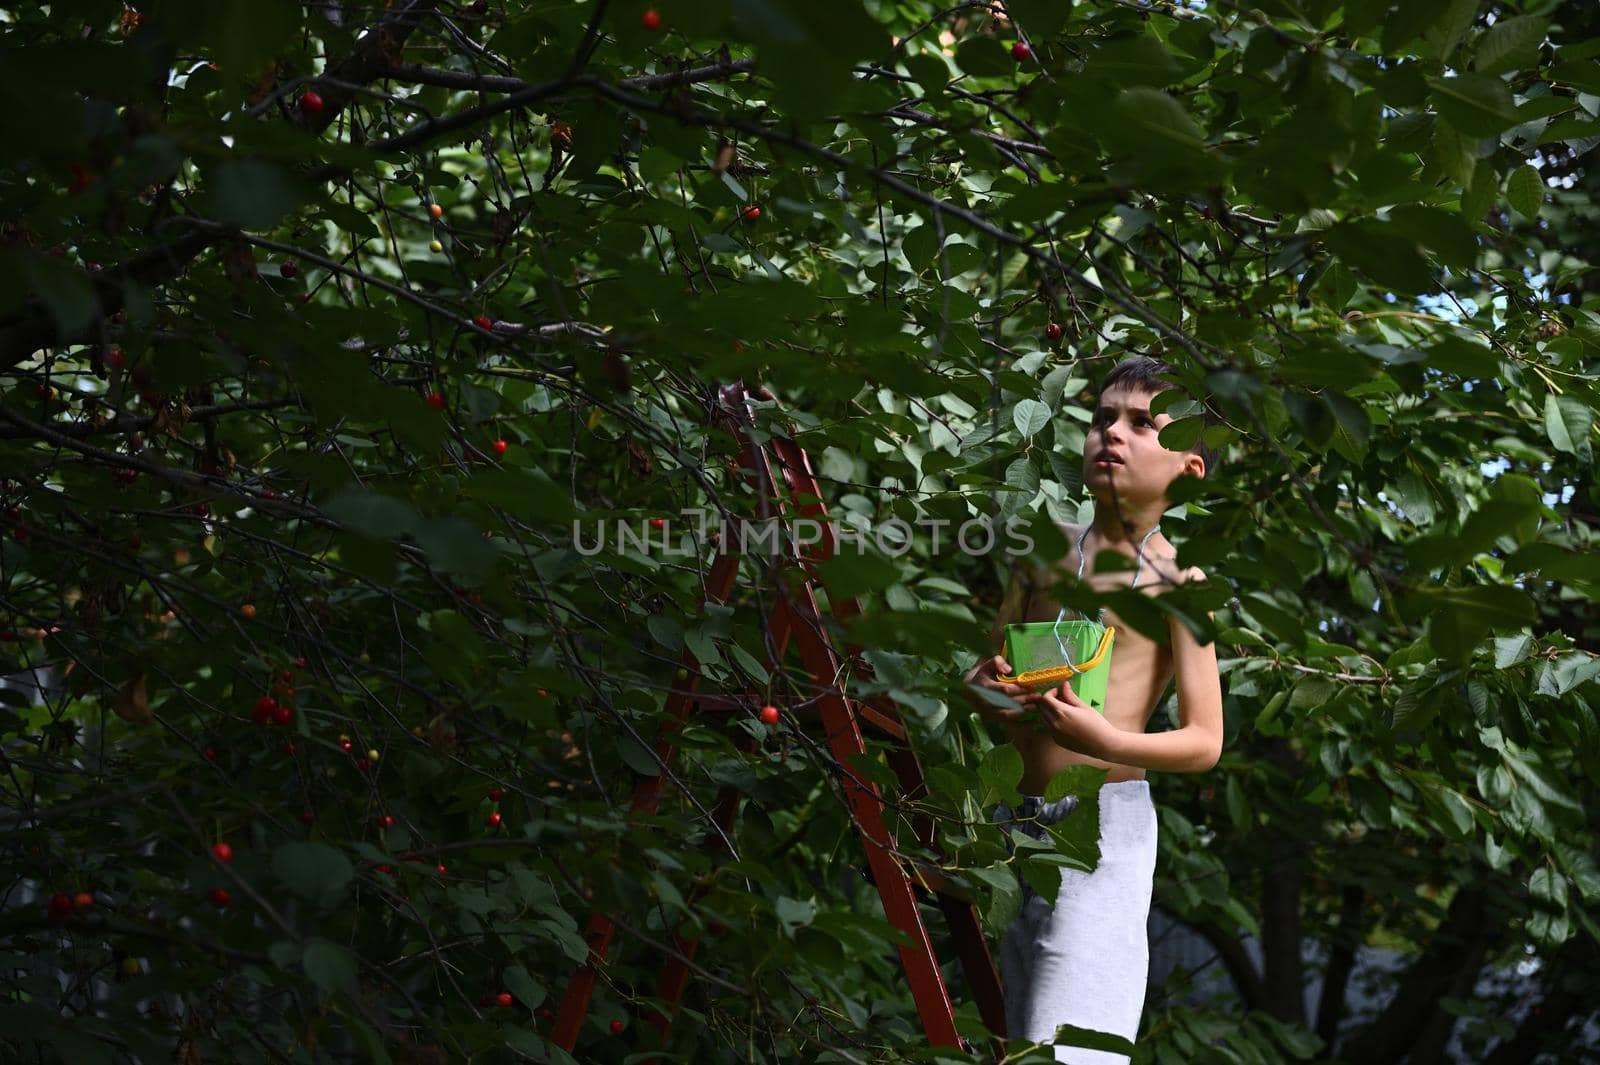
<point x="330" y="333"/>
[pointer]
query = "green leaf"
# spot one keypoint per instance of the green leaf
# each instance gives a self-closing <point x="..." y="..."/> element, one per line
<point x="1509" y="650"/>
<point x="1532" y="771"/>
<point x="794" y="914"/>
<point x="1139" y="59"/>
<point x="330" y="966"/>
<point x="527" y="493"/>
<point x="1383" y="253"/>
<point x="984" y="57"/>
<point x="1458" y="814"/>
<point x="1566" y="423"/>
<point x="1525" y="191"/>
<point x="66" y="293"/>
<point x="1030" y="416"/>
<point x="372" y="513"/>
<point x="1508" y="44"/>
<point x="1091" y="1039"/>
<point x="314" y="871"/>
<point x="251" y="193"/>
<point x="457" y="547"/>
<point x="1479" y="196"/>
<point x="636" y="757"/>
<point x="1451" y="239"/>
<point x="1000" y="771"/>
<point x="1476" y="104"/>
<point x="1181" y="434"/>
<point x="528" y="990"/>
<point x="529" y="1043"/>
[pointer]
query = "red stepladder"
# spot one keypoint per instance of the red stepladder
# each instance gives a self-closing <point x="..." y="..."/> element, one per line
<point x="844" y="721"/>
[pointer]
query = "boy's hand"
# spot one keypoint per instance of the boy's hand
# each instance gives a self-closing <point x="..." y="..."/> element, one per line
<point x="1075" y="725"/>
<point x="986" y="675"/>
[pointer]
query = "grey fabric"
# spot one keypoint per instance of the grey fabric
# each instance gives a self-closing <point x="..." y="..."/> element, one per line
<point x="1085" y="960"/>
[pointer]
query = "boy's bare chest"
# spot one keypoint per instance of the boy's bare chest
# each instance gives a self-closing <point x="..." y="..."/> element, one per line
<point x="1140" y="666"/>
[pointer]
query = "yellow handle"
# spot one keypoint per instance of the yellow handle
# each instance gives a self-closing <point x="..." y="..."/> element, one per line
<point x="1056" y="673"/>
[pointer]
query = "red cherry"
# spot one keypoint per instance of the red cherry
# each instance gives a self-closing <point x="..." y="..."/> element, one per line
<point x="752" y="213"/>
<point x="651" y="19"/>
<point x="310" y="103"/>
<point x="43" y="390"/>
<point x="656" y="523"/>
<point x="305" y="297"/>
<point x="264" y="709"/>
<point x="220" y="897"/>
<point x="363" y="765"/>
<point x="288" y="748"/>
<point x="484" y="322"/>
<point x="223" y="852"/>
<point x="616" y="1027"/>
<point x="1053" y="331"/>
<point x="1021" y="52"/>
<point x="385" y="868"/>
<point x="116" y="358"/>
<point x="494" y="819"/>
<point x="301" y="661"/>
<point x="543" y="694"/>
<point x="346" y="745"/>
<point x="769" y="715"/>
<point x="387" y="820"/>
<point x="306" y="817"/>
<point x="288" y="269"/>
<point x="500" y="447"/>
<point x="82" y="901"/>
<point x="504" y="998"/>
<point x="283" y="715"/>
<point x="211" y="754"/>
<point x="60" y="908"/>
<point x="436" y="400"/>
<point x="440" y="867"/>
<point x="495" y="794"/>
<point x="117" y="318"/>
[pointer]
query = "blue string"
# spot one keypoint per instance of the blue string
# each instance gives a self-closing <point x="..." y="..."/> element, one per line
<point x="1138" y="565"/>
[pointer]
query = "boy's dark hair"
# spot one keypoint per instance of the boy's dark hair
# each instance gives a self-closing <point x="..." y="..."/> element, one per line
<point x="1141" y="373"/>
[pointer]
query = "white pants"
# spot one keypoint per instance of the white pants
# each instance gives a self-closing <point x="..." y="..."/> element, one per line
<point x="1084" y="961"/>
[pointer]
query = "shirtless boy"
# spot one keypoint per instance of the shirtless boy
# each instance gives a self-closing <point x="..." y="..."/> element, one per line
<point x="1085" y="960"/>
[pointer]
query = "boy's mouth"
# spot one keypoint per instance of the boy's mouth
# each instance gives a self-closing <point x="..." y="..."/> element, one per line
<point x="1106" y="458"/>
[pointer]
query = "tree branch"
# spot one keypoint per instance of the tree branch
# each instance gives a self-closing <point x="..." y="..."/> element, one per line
<point x="1351" y="934"/>
<point x="1417" y="990"/>
<point x="1565" y="993"/>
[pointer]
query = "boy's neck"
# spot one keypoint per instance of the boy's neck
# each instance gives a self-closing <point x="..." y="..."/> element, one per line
<point x="1126" y="524"/>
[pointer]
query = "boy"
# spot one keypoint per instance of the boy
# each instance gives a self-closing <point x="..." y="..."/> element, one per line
<point x="1085" y="960"/>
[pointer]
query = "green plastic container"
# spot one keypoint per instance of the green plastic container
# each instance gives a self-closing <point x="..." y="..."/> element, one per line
<point x="1037" y="647"/>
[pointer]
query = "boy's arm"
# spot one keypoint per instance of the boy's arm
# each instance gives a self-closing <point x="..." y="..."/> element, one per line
<point x="1196" y="745"/>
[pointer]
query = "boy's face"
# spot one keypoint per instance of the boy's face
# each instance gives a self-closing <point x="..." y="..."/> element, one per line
<point x="1124" y="427"/>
